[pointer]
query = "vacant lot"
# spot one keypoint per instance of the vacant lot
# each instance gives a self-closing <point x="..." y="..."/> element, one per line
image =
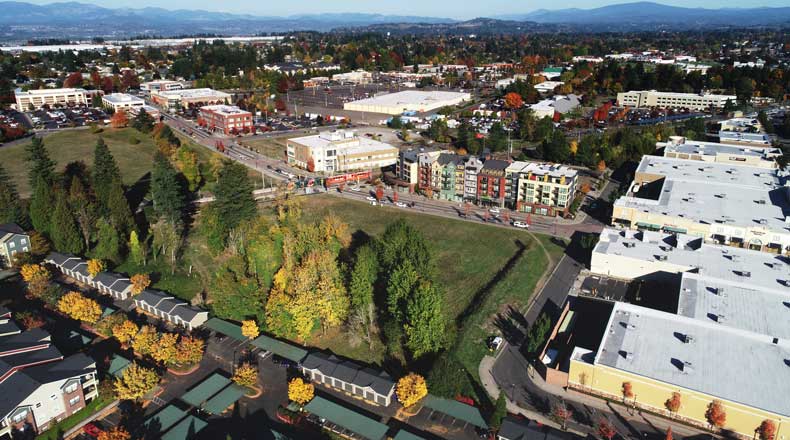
<point x="272" y="147"/>
<point x="78" y="144"/>
<point x="482" y="268"/>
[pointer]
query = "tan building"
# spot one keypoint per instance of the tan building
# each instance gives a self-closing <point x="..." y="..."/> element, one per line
<point x="693" y="101"/>
<point x="741" y="206"/>
<point x="339" y="151"/>
<point x="35" y="99"/>
<point x="189" y="98"/>
<point x="540" y="188"/>
<point x="122" y="101"/>
<point x="681" y="148"/>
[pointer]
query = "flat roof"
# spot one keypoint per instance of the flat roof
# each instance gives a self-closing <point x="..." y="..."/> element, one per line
<point x="710" y="193"/>
<point x="751" y="309"/>
<point x="192" y="93"/>
<point x="62" y="91"/>
<point x="714" y="148"/>
<point x="766" y="271"/>
<point x="164" y="419"/>
<point x="415" y="98"/>
<point x="721" y="361"/>
<point x="686" y="95"/>
<point x="349" y="145"/>
<point x="122" y="98"/>
<point x="541" y="169"/>
<point x="346" y="418"/>
<point x="225" y="109"/>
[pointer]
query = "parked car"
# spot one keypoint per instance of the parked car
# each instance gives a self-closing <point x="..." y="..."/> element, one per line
<point x="520" y="224"/>
<point x="92" y="430"/>
<point x="494" y="210"/>
<point x="370" y="199"/>
<point x="401" y="205"/>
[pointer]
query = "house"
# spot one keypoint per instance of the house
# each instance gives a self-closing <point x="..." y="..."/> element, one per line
<point x="170" y="309"/>
<point x="13" y="239"/>
<point x="7" y="325"/>
<point x="39" y="386"/>
<point x="366" y="383"/>
<point x="113" y="284"/>
<point x="69" y="265"/>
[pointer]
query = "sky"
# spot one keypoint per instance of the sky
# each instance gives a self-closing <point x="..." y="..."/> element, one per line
<point x="463" y="9"/>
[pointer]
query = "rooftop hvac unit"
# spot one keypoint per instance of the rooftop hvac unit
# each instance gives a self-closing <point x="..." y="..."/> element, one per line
<point x="760" y="202"/>
<point x="746" y="273"/>
<point x="763" y="221"/>
<point x="719" y="291"/>
<point x="629" y="244"/>
<point x="688" y="339"/>
<point x="661" y="257"/>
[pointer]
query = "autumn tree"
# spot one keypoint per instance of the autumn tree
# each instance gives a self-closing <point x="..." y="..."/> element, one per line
<point x="37" y="278"/>
<point x="119" y="119"/>
<point x="115" y="433"/>
<point x="562" y="414"/>
<point x="379" y="193"/>
<point x="189" y="350"/>
<point x="601" y="166"/>
<point x="77" y="306"/>
<point x="187" y="163"/>
<point x="513" y="101"/>
<point x="300" y="391"/>
<point x="426" y="324"/>
<point x="715" y="414"/>
<point x="95" y="267"/>
<point x="164" y="350"/>
<point x="246" y="375"/>
<point x="73" y="80"/>
<point x="669" y="434"/>
<point x="135" y="382"/>
<point x="411" y="389"/>
<point x="125" y="331"/>
<point x="140" y="282"/>
<point x="145" y="340"/>
<point x="767" y="430"/>
<point x="673" y="403"/>
<point x="249" y="329"/>
<point x="605" y="429"/>
<point x="628" y="391"/>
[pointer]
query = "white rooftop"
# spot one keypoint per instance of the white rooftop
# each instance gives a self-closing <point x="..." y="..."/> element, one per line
<point x="63" y="91"/>
<point x="413" y="98"/>
<point x="736" y="266"/>
<point x="541" y="169"/>
<point x="123" y="98"/>
<point x="344" y="140"/>
<point x="711" y="193"/>
<point x="718" y="360"/>
<point x="224" y="109"/>
<point x="548" y="85"/>
<point x="193" y="93"/>
<point x="714" y="148"/>
<point x="746" y="308"/>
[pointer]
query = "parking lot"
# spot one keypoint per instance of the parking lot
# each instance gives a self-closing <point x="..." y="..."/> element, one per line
<point x="77" y="116"/>
<point x="333" y="96"/>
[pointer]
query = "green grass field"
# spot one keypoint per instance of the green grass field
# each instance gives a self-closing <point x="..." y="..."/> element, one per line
<point x="272" y="147"/>
<point x="78" y="144"/>
<point x="481" y="267"/>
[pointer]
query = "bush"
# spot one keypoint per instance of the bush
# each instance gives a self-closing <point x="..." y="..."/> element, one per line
<point x="134" y="141"/>
<point x="96" y="129"/>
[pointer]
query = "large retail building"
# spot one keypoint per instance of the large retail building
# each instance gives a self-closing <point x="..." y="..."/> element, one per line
<point x="407" y="101"/>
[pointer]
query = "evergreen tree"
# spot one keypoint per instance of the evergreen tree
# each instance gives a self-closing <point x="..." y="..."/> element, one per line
<point x="108" y="242"/>
<point x="105" y="174"/>
<point x="118" y="208"/>
<point x="83" y="208"/>
<point x="167" y="190"/>
<point x="233" y="196"/>
<point x="65" y="234"/>
<point x="41" y="165"/>
<point x="41" y="206"/>
<point x="10" y="209"/>
<point x="143" y="122"/>
<point x="363" y="276"/>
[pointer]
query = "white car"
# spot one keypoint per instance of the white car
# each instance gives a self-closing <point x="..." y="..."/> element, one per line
<point x="494" y="210"/>
<point x="355" y="188"/>
<point x="370" y="198"/>
<point x="520" y="224"/>
<point x="401" y="205"/>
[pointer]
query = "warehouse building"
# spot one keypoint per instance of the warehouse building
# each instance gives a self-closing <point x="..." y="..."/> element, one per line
<point x="741" y="206"/>
<point x="173" y="99"/>
<point x="339" y="151"/>
<point x="692" y="101"/>
<point x="406" y="101"/>
<point x="161" y="86"/>
<point x="122" y="101"/>
<point x="35" y="99"/>
<point x="682" y="148"/>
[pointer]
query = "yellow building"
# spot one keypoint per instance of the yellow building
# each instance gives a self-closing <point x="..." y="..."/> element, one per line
<point x="660" y="353"/>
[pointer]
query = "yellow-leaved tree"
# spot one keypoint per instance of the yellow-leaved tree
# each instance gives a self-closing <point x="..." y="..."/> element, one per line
<point x="135" y="382"/>
<point x="37" y="278"/>
<point x="189" y="350"/>
<point x="140" y="282"/>
<point x="411" y="389"/>
<point x="246" y="375"/>
<point x="164" y="350"/>
<point x="95" y="267"/>
<point x="249" y="328"/>
<point x="145" y="340"/>
<point x="300" y="391"/>
<point x="78" y="307"/>
<point x="125" y="331"/>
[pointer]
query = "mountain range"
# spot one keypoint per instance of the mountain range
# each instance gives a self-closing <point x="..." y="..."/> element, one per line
<point x="21" y="21"/>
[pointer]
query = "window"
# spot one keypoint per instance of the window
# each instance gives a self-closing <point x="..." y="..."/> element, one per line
<point x="24" y="241"/>
<point x="22" y="415"/>
<point x="74" y="400"/>
<point x="71" y="388"/>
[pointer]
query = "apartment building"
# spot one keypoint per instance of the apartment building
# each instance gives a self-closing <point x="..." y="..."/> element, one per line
<point x="364" y="383"/>
<point x="541" y="188"/>
<point x="122" y="101"/>
<point x="407" y="167"/>
<point x="174" y="99"/>
<point x="339" y="151"/>
<point x="161" y="86"/>
<point x="39" y="385"/>
<point x="227" y="119"/>
<point x="682" y="148"/>
<point x="13" y="240"/>
<point x="491" y="183"/>
<point x="741" y="206"/>
<point x="692" y="101"/>
<point x="35" y="99"/>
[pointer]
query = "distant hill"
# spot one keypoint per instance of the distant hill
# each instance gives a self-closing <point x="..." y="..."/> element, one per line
<point x="655" y="14"/>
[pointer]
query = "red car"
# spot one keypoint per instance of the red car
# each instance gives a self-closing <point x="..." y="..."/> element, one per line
<point x="92" y="430"/>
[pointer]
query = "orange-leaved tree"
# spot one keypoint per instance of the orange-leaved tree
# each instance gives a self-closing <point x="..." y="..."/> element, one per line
<point x="189" y="350"/>
<point x="115" y="433"/>
<point x="140" y="282"/>
<point x="119" y="119"/>
<point x="767" y="430"/>
<point x="628" y="391"/>
<point x="605" y="429"/>
<point x="513" y="100"/>
<point x="673" y="403"/>
<point x="715" y="414"/>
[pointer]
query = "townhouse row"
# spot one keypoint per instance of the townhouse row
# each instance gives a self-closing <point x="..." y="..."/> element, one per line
<point x="529" y="187"/>
<point x="153" y="302"/>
